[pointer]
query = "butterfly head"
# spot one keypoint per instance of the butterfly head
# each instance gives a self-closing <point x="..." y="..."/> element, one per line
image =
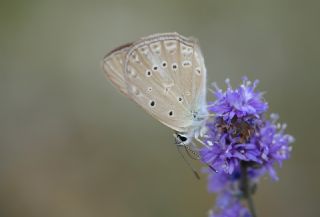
<point x="182" y="138"/>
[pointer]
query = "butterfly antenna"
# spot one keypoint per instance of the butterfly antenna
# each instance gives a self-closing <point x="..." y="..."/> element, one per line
<point x="189" y="151"/>
<point x="213" y="169"/>
<point x="194" y="153"/>
<point x="187" y="162"/>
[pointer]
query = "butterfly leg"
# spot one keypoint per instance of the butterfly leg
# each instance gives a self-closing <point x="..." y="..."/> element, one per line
<point x="192" y="153"/>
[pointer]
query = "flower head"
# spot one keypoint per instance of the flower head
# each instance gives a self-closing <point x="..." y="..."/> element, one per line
<point x="240" y="102"/>
<point x="241" y="140"/>
<point x="240" y="131"/>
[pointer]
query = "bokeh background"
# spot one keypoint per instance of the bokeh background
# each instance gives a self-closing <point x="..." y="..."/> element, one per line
<point x="72" y="146"/>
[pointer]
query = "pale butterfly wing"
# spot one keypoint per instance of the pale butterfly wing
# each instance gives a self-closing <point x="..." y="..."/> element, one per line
<point x="113" y="65"/>
<point x="166" y="75"/>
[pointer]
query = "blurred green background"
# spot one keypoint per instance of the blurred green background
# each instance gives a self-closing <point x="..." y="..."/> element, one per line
<point x="72" y="146"/>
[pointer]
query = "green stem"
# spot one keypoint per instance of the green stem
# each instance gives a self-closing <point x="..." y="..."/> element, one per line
<point x="245" y="187"/>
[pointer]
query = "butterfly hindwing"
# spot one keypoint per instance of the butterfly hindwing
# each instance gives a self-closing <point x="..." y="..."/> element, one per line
<point x="113" y="65"/>
<point x="165" y="75"/>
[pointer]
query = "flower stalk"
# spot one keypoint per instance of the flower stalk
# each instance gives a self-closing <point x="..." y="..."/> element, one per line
<point x="246" y="188"/>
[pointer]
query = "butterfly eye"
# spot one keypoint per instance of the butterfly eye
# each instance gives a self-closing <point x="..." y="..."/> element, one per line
<point x="174" y="66"/>
<point x="148" y="73"/>
<point x="164" y="64"/>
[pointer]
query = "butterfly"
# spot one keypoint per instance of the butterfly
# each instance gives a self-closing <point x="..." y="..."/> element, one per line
<point x="165" y="74"/>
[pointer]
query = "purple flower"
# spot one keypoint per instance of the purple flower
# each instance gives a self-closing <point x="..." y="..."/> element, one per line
<point x="241" y="140"/>
<point x="238" y="102"/>
<point x="227" y="145"/>
<point x="274" y="144"/>
<point x="229" y="193"/>
<point x="220" y="181"/>
<point x="235" y="210"/>
<point x="240" y="132"/>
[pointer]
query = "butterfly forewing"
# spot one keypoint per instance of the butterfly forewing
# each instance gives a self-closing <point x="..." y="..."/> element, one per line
<point x="113" y="65"/>
<point x="165" y="74"/>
